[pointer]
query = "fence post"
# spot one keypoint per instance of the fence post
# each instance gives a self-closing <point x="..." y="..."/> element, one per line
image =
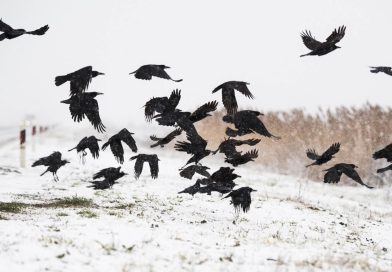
<point x="33" y="136"/>
<point x="22" y="144"/>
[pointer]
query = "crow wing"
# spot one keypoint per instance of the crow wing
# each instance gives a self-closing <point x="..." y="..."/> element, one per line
<point x="190" y="171"/>
<point x="201" y="112"/>
<point x="174" y="99"/>
<point x="80" y="80"/>
<point x="155" y="104"/>
<point x="309" y="41"/>
<point x="385" y="153"/>
<point x="39" y="31"/>
<point x="93" y="147"/>
<point x="351" y="173"/>
<point x="243" y="88"/>
<point x="154" y="166"/>
<point x="332" y="176"/>
<point x="138" y="166"/>
<point x="332" y="150"/>
<point x="312" y="154"/>
<point x="117" y="150"/>
<point x="4" y="27"/>
<point x="92" y="113"/>
<point x="256" y="125"/>
<point x="251" y="142"/>
<point x="229" y="100"/>
<point x="336" y="35"/>
<point x="127" y="138"/>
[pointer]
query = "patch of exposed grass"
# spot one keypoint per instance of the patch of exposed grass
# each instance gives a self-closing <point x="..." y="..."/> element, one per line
<point x="87" y="214"/>
<point x="62" y="214"/>
<point x="124" y="206"/>
<point x="68" y="202"/>
<point x="12" y="207"/>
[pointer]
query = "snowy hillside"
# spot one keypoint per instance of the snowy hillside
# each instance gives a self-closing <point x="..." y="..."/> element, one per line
<point x="145" y="225"/>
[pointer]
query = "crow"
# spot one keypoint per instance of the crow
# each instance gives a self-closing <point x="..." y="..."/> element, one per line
<point x="322" y="48"/>
<point x="53" y="161"/>
<point x="228" y="146"/>
<point x="246" y="122"/>
<point x="385" y="69"/>
<point x="152" y="161"/>
<point x="241" y="199"/>
<point x="10" y="33"/>
<point x="334" y="174"/>
<point x="190" y="171"/>
<point x="88" y="142"/>
<point x="165" y="140"/>
<point x="191" y="189"/>
<point x="203" y="111"/>
<point x="83" y="105"/>
<point x="325" y="157"/>
<point x="225" y="175"/>
<point x="110" y="176"/>
<point x="196" y="147"/>
<point x="216" y="187"/>
<point x="146" y="72"/>
<point x="243" y="159"/>
<point x="79" y="80"/>
<point x="228" y="94"/>
<point x="162" y="105"/>
<point x="385" y="153"/>
<point x="116" y="146"/>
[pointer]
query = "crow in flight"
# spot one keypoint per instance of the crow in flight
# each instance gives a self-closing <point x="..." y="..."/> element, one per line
<point x="385" y="153"/>
<point x="246" y="122"/>
<point x="167" y="139"/>
<point x="385" y="69"/>
<point x="83" y="105"/>
<point x="146" y="72"/>
<point x="110" y="176"/>
<point x="228" y="94"/>
<point x="225" y="175"/>
<point x="196" y="147"/>
<point x="152" y="161"/>
<point x="116" y="146"/>
<point x="79" y="80"/>
<point x="243" y="158"/>
<point x="241" y="199"/>
<point x="322" y="48"/>
<point x="10" y="33"/>
<point x="88" y="142"/>
<point x="191" y="170"/>
<point x="334" y="174"/>
<point x="221" y="181"/>
<point x="228" y="146"/>
<point x="191" y="189"/>
<point x="162" y="105"/>
<point x="221" y="188"/>
<point x="53" y="162"/>
<point x="325" y="157"/>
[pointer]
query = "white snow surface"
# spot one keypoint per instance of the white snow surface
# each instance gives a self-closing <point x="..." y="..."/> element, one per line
<point x="144" y="225"/>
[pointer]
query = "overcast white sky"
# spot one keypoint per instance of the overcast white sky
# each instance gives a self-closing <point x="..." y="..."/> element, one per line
<point x="205" y="43"/>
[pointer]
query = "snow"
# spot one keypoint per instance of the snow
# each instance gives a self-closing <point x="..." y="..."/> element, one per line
<point x="144" y="225"/>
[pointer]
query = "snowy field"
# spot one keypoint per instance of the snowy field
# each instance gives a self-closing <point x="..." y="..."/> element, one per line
<point x="145" y="225"/>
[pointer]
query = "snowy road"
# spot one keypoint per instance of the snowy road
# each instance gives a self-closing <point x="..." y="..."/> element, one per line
<point x="144" y="225"/>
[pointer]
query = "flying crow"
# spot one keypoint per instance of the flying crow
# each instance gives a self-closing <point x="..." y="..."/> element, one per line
<point x="152" y="161"/>
<point x="196" y="146"/>
<point x="165" y="140"/>
<point x="334" y="174"/>
<point x="53" y="162"/>
<point x="191" y="189"/>
<point x="228" y="146"/>
<point x="162" y="105"/>
<point x="243" y="158"/>
<point x="146" y="72"/>
<point x="191" y="170"/>
<point x="385" y="69"/>
<point x="241" y="198"/>
<point x="90" y="143"/>
<point x="10" y="33"/>
<point x="385" y="153"/>
<point x="325" y="157"/>
<point x="110" y="176"/>
<point x="116" y="146"/>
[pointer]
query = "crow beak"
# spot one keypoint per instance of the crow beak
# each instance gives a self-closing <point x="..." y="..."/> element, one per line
<point x="254" y="190"/>
<point x="65" y="101"/>
<point x="99" y="93"/>
<point x="167" y="67"/>
<point x="99" y="73"/>
<point x="99" y="140"/>
<point x="338" y="47"/>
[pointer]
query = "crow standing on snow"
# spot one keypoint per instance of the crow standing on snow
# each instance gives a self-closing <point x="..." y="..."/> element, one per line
<point x="246" y="122"/>
<point x="116" y="146"/>
<point x="322" y="48"/>
<point x="191" y="170"/>
<point x="228" y="94"/>
<point x="10" y="33"/>
<point x="152" y="161"/>
<point x="228" y="146"/>
<point x="88" y="142"/>
<point x="334" y="174"/>
<point x="146" y="72"/>
<point x="110" y="176"/>
<point x="385" y="153"/>
<point x="243" y="158"/>
<point x="79" y="80"/>
<point x="384" y="69"/>
<point x="165" y="140"/>
<point x="83" y="105"/>
<point x="53" y="161"/>
<point x="241" y="198"/>
<point x="196" y="147"/>
<point x="325" y="157"/>
<point x="162" y="105"/>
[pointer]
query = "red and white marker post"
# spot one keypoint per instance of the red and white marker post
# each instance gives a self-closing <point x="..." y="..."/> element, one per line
<point x="22" y="144"/>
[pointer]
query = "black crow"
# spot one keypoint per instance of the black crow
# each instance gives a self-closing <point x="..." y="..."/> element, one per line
<point x="152" y="161"/>
<point x="203" y="111"/>
<point x="10" y="33"/>
<point x="196" y="147"/>
<point x="162" y="105"/>
<point x="334" y="174"/>
<point x="241" y="198"/>
<point x="167" y="139"/>
<point x="83" y="105"/>
<point x="222" y="188"/>
<point x="79" y="80"/>
<point x="110" y="176"/>
<point x="225" y="175"/>
<point x="190" y="171"/>
<point x="228" y="146"/>
<point x="191" y="189"/>
<point x="246" y="122"/>
<point x="323" y="158"/>
<point x="243" y="158"/>
<point x="385" y="69"/>
<point x="385" y="153"/>
<point x="228" y="94"/>
<point x="88" y="142"/>
<point x="322" y="48"/>
<point x="116" y="146"/>
<point x="146" y="72"/>
<point x="53" y="161"/>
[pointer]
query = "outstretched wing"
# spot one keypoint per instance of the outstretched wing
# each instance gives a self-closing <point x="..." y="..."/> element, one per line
<point x="174" y="99"/>
<point x="255" y="124"/>
<point x="92" y="113"/>
<point x="155" y="138"/>
<point x="117" y="150"/>
<point x="101" y="173"/>
<point x="127" y="138"/>
<point x="332" y="176"/>
<point x="351" y="173"/>
<point x="154" y="166"/>
<point x="155" y="104"/>
<point x="312" y="154"/>
<point x="337" y="35"/>
<point x="251" y="142"/>
<point x="243" y="88"/>
<point x="201" y="112"/>
<point x="138" y="166"/>
<point x="253" y="154"/>
<point x="93" y="147"/>
<point x="310" y="41"/>
<point x="229" y="101"/>
<point x="39" y="31"/>
<point x="4" y="27"/>
<point x="332" y="150"/>
<point x="81" y="80"/>
<point x="385" y="153"/>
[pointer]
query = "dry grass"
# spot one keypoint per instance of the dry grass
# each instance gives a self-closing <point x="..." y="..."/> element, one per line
<point x="361" y="131"/>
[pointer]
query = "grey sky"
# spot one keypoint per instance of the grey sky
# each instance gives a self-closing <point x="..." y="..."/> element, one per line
<point x="205" y="43"/>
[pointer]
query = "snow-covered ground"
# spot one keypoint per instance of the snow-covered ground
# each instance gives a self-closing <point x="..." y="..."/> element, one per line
<point x="144" y="225"/>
